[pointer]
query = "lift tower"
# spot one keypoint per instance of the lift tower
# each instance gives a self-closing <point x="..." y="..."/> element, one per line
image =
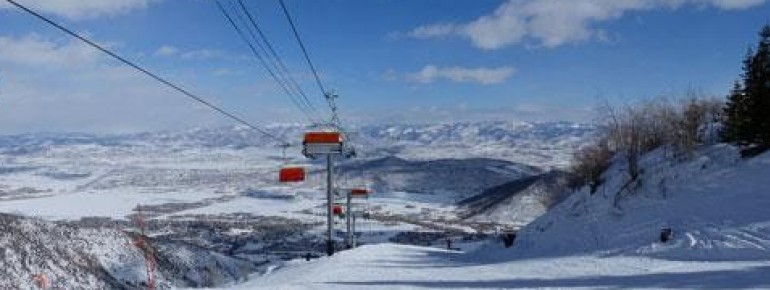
<point x="326" y="144"/>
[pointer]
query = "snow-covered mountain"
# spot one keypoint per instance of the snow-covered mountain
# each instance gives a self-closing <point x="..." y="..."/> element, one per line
<point x="542" y="145"/>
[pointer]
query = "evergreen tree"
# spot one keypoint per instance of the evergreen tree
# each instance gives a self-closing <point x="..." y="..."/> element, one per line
<point x="761" y="97"/>
<point x="736" y="113"/>
<point x="748" y="107"/>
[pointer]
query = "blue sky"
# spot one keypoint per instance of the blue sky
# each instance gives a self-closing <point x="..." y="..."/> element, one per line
<point x="390" y="61"/>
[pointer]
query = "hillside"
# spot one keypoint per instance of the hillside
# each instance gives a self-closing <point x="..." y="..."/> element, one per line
<point x="517" y="203"/>
<point x="455" y="177"/>
<point x="71" y="256"/>
<point x="715" y="203"/>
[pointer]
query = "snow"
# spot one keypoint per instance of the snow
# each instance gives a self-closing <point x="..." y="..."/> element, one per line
<point x="389" y="266"/>
<point x="517" y="211"/>
<point x="113" y="204"/>
<point x="69" y="176"/>
<point x="290" y="207"/>
<point x="716" y="204"/>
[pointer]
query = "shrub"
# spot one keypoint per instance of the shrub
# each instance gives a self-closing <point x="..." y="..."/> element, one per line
<point x="588" y="164"/>
<point x="634" y="130"/>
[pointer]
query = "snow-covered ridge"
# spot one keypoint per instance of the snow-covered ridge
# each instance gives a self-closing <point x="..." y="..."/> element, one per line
<point x="454" y="178"/>
<point x="239" y="136"/>
<point x="543" y="145"/>
<point x="518" y="202"/>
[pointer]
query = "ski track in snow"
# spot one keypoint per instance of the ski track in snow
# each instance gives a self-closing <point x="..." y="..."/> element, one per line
<point x="389" y="266"/>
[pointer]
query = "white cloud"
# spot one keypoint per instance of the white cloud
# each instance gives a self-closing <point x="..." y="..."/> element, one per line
<point x="82" y="9"/>
<point x="47" y="85"/>
<point x="736" y="4"/>
<point x="222" y="72"/>
<point x="201" y="54"/>
<point x="484" y="76"/>
<point x="166" y="50"/>
<point x="32" y="50"/>
<point x="198" y="54"/>
<point x="551" y="23"/>
<point x="435" y="30"/>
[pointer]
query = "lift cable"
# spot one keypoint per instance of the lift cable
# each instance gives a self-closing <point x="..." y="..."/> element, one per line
<point x="302" y="46"/>
<point x="264" y="62"/>
<point x="148" y="73"/>
<point x="329" y="96"/>
<point x="275" y="64"/>
<point x="277" y="59"/>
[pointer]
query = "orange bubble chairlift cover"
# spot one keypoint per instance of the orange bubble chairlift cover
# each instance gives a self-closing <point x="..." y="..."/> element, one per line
<point x="292" y="174"/>
<point x="322" y="137"/>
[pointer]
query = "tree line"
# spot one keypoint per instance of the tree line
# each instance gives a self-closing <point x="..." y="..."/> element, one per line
<point x="678" y="127"/>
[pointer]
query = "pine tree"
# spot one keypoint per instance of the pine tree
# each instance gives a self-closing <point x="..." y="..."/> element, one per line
<point x="761" y="96"/>
<point x="736" y="116"/>
<point x="747" y="112"/>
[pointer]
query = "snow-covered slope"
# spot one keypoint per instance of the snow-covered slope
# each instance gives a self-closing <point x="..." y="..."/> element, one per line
<point x="452" y="177"/>
<point x="518" y="202"/>
<point x="389" y="266"/>
<point x="66" y="256"/>
<point x="69" y="256"/>
<point x="717" y="205"/>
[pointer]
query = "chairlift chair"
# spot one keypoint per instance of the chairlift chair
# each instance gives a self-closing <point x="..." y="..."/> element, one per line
<point x="291" y="174"/>
<point x="337" y="209"/>
<point x="321" y="143"/>
<point x="360" y="192"/>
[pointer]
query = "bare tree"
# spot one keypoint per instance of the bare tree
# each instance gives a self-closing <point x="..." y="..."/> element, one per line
<point x="589" y="163"/>
<point x="631" y="131"/>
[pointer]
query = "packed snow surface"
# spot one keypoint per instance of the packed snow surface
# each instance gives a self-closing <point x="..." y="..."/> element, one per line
<point x="389" y="266"/>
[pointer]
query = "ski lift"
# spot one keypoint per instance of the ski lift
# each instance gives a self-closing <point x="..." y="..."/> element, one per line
<point x="322" y="137"/>
<point x="321" y="143"/>
<point x="291" y="174"/>
<point x="337" y="209"/>
<point x="360" y="192"/>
